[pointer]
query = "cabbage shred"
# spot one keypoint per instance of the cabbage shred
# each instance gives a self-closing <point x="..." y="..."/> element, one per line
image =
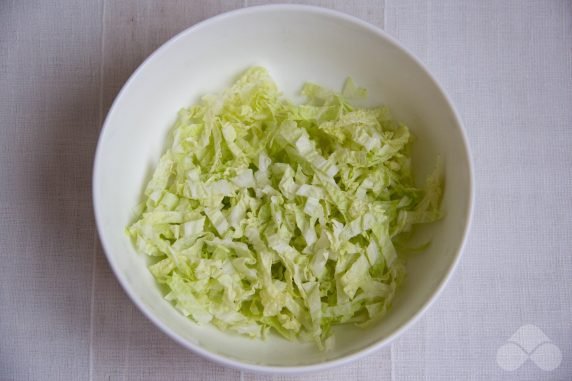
<point x="268" y="215"/>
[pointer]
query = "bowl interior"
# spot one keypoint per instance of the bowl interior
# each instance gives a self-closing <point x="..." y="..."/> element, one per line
<point x="296" y="44"/>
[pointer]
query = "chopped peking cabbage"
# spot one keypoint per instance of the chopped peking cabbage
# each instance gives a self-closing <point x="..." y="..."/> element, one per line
<point x="266" y="215"/>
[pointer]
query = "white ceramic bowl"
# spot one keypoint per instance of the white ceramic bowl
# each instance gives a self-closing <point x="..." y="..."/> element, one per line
<point x="297" y="44"/>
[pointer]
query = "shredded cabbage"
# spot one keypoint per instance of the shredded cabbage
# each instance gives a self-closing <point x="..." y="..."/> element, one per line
<point x="268" y="215"/>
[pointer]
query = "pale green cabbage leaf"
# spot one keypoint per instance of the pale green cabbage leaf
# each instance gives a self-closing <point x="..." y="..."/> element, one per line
<point x="267" y="215"/>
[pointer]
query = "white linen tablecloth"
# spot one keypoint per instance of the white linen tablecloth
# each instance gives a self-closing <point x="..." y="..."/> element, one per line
<point x="506" y="64"/>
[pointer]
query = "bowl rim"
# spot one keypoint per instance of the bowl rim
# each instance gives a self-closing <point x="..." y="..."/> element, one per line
<point x="275" y="369"/>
